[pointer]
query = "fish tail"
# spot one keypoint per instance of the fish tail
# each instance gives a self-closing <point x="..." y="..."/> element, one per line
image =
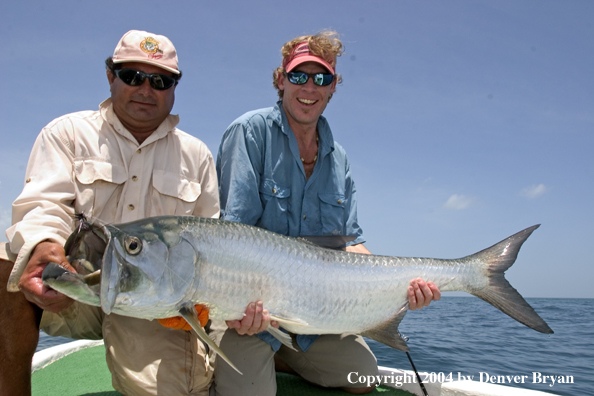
<point x="499" y="293"/>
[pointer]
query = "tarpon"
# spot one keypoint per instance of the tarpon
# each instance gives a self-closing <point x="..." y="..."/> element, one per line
<point x="162" y="266"/>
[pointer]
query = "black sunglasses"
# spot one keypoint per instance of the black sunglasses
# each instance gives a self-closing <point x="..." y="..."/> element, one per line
<point x="134" y="78"/>
<point x="300" y="78"/>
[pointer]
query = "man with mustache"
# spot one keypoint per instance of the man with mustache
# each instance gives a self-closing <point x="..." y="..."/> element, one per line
<point x="124" y="162"/>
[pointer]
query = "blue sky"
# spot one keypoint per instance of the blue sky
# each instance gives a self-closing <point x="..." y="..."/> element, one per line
<point x="464" y="121"/>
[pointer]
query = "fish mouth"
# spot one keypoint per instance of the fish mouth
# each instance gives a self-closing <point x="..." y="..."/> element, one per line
<point x="84" y="251"/>
<point x="85" y="247"/>
<point x="76" y="286"/>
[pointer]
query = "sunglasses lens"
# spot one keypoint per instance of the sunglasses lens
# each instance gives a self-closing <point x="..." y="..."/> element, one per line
<point x="130" y="76"/>
<point x="323" y="79"/>
<point x="298" y="78"/>
<point x="134" y="78"/>
<point x="161" y="81"/>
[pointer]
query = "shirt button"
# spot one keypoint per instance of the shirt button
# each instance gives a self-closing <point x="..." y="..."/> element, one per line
<point x="339" y="201"/>
<point x="274" y="190"/>
<point x="28" y="180"/>
<point x="304" y="217"/>
<point x="139" y="151"/>
<point x="134" y="178"/>
<point x="131" y="207"/>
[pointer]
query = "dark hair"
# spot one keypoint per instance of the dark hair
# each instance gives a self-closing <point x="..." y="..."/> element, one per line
<point x="109" y="65"/>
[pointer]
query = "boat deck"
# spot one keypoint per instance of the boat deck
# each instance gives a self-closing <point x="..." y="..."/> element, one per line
<point x="87" y="374"/>
<point x="78" y="368"/>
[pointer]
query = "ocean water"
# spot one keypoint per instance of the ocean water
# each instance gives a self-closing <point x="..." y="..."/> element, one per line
<point x="464" y="336"/>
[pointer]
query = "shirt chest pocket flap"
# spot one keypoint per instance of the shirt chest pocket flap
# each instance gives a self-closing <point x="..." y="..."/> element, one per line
<point x="89" y="171"/>
<point x="269" y="190"/>
<point x="332" y="208"/>
<point x="99" y="182"/>
<point x="176" y="186"/>
<point x="275" y="201"/>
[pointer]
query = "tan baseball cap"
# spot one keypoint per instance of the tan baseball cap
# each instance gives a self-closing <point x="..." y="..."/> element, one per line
<point x="145" y="47"/>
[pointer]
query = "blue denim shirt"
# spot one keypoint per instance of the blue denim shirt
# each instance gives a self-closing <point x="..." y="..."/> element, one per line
<point x="262" y="182"/>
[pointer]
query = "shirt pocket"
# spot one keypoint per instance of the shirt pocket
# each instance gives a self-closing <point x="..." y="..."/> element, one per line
<point x="173" y="194"/>
<point x="332" y="208"/>
<point x="99" y="186"/>
<point x="275" y="204"/>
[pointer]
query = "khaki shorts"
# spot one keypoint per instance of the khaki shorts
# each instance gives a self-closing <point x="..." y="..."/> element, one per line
<point x="144" y="358"/>
<point x="326" y="363"/>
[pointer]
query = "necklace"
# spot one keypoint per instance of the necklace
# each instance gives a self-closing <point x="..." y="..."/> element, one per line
<point x="316" y="156"/>
<point x="310" y="163"/>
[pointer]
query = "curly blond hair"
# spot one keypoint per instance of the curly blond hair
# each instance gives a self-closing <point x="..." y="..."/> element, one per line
<point x="326" y="44"/>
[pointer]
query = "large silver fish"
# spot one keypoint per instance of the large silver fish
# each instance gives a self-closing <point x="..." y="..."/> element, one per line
<point x="160" y="267"/>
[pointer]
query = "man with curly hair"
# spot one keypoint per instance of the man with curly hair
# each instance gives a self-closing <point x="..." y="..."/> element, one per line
<point x="280" y="169"/>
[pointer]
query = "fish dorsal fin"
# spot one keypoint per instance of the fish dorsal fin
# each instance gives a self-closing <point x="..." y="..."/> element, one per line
<point x="327" y="241"/>
<point x="388" y="334"/>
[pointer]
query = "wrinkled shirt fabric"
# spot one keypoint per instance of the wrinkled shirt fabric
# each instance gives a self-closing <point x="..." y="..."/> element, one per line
<point x="262" y="182"/>
<point x="88" y="162"/>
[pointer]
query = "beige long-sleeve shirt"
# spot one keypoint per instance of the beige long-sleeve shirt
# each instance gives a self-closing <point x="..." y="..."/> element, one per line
<point x="87" y="162"/>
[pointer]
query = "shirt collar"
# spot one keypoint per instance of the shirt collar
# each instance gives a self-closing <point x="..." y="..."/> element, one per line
<point x="106" y="109"/>
<point x="325" y="134"/>
<point x="277" y="115"/>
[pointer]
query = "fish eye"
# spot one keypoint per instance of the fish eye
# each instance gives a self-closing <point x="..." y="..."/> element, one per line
<point x="133" y="245"/>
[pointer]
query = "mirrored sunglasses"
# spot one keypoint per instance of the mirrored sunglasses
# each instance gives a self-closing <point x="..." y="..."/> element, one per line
<point x="134" y="78"/>
<point x="300" y="78"/>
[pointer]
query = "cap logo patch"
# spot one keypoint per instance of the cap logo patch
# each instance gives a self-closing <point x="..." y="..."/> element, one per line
<point x="151" y="46"/>
<point x="302" y="49"/>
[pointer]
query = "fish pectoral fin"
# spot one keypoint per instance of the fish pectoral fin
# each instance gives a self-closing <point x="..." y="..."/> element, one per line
<point x="283" y="337"/>
<point x="388" y="333"/>
<point x="189" y="314"/>
<point x="289" y="321"/>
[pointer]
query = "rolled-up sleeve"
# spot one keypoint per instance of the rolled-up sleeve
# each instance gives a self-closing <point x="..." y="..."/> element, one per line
<point x="44" y="210"/>
<point x="239" y="166"/>
<point x="352" y="224"/>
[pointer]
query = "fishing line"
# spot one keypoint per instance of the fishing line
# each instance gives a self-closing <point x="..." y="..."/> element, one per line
<point x="405" y="338"/>
<point x="417" y="373"/>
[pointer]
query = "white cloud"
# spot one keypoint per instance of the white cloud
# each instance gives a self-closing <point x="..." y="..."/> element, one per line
<point x="458" y="202"/>
<point x="534" y="191"/>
